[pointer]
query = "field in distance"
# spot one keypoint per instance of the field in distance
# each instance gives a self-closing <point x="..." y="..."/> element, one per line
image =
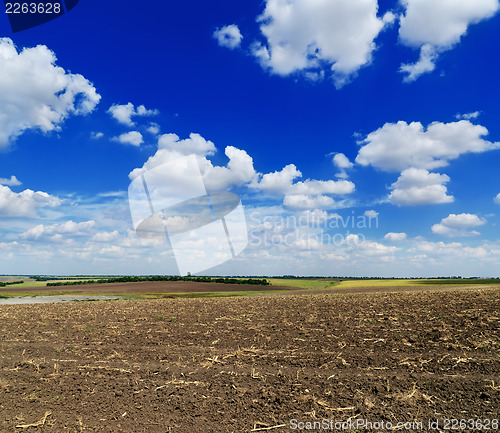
<point x="193" y="287"/>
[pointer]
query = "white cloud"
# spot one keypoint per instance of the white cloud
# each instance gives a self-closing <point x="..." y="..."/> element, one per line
<point x="307" y="194"/>
<point x="124" y="113"/>
<point x="302" y="201"/>
<point x="454" y="251"/>
<point x="13" y="181"/>
<point x="342" y="162"/>
<point x="424" y="64"/>
<point x="314" y="36"/>
<point x="497" y="199"/>
<point x="395" y="237"/>
<point x="25" y="203"/>
<point x="194" y="144"/>
<point x="153" y="128"/>
<point x="171" y="147"/>
<point x="397" y="146"/>
<point x="281" y="182"/>
<point x="228" y="36"/>
<point x="106" y="236"/>
<point x="468" y="116"/>
<point x="364" y="247"/>
<point x="133" y="137"/>
<point x="371" y="214"/>
<point x="37" y="94"/>
<point x="238" y="171"/>
<point x="419" y="187"/>
<point x="317" y="187"/>
<point x="58" y="232"/>
<point x="436" y="26"/>
<point x="278" y="182"/>
<point x="458" y="225"/>
<point x="317" y="217"/>
<point x="96" y="135"/>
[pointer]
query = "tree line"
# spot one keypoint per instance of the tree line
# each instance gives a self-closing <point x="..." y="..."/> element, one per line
<point x="8" y="283"/>
<point x="254" y="281"/>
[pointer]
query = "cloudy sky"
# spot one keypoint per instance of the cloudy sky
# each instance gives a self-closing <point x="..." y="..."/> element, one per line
<point x="363" y="137"/>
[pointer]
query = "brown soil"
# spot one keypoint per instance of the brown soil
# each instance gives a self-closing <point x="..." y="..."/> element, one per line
<point x="248" y="364"/>
<point x="144" y="287"/>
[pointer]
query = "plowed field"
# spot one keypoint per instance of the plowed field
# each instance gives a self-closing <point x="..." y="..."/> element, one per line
<point x="250" y="363"/>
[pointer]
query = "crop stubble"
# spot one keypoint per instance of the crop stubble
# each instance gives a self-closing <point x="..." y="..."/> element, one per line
<point x="243" y="364"/>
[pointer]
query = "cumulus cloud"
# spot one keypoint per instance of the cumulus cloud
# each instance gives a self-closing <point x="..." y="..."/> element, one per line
<point x="282" y="182"/>
<point x="25" y="203"/>
<point x="194" y="144"/>
<point x="397" y="146"/>
<point x="153" y="128"/>
<point x="302" y="201"/>
<point x="37" y="94"/>
<point x="132" y="137"/>
<point x="13" y="181"/>
<point x="458" y="225"/>
<point x="453" y="250"/>
<point x="343" y="164"/>
<point x="307" y="194"/>
<point x="317" y="187"/>
<point x="424" y="64"/>
<point x="371" y="214"/>
<point x="437" y="26"/>
<point x="497" y="199"/>
<point x="278" y="182"/>
<point x="341" y="161"/>
<point x="57" y="232"/>
<point x="318" y="36"/>
<point x="96" y="135"/>
<point x="228" y="36"/>
<point x="124" y="113"/>
<point x="106" y="236"/>
<point x="171" y="147"/>
<point x="395" y="237"/>
<point x="360" y="246"/>
<point x="419" y="187"/>
<point x="238" y="171"/>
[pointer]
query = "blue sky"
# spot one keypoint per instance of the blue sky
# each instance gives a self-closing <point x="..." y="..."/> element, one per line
<point x="316" y="114"/>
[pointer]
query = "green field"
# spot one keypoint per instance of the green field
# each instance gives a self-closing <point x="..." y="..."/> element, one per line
<point x="319" y="284"/>
<point x="461" y="281"/>
<point x="305" y="284"/>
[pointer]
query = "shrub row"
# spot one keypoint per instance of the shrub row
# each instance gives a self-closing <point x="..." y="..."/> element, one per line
<point x="254" y="281"/>
<point x="8" y="283"/>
